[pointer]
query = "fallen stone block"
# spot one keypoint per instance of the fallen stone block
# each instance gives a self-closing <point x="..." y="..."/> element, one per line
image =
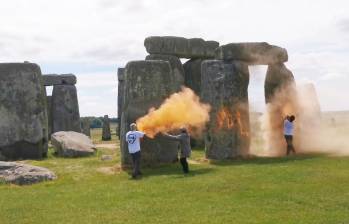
<point x="72" y="144"/>
<point x="23" y="174"/>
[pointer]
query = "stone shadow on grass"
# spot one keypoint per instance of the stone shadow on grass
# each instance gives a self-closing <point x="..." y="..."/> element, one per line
<point x="265" y="160"/>
<point x="173" y="170"/>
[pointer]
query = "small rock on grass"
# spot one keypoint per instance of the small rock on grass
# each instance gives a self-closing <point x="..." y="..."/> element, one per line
<point x="24" y="174"/>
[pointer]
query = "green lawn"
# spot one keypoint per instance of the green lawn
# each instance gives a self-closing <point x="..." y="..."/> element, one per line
<point x="301" y="189"/>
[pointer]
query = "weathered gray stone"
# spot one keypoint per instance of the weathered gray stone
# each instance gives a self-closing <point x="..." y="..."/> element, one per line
<point x="148" y="83"/>
<point x="63" y="79"/>
<point x="85" y="126"/>
<point x="176" y="67"/>
<point x="72" y="144"/>
<point x="278" y="76"/>
<point x="224" y="87"/>
<point x="106" y="135"/>
<point x="121" y="86"/>
<point x="49" y="115"/>
<point x="192" y="70"/>
<point x="210" y="47"/>
<point x="23" y="174"/>
<point x="180" y="47"/>
<point x="65" y="109"/>
<point x="252" y="53"/>
<point x="23" y="116"/>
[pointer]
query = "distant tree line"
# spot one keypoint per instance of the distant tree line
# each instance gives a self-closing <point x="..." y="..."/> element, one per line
<point x="97" y="122"/>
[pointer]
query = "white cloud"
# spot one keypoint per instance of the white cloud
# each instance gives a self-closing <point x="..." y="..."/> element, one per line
<point x="111" y="32"/>
<point x="96" y="93"/>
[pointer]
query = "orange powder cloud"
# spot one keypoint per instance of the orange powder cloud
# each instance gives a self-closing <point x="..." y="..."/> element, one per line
<point x="182" y="109"/>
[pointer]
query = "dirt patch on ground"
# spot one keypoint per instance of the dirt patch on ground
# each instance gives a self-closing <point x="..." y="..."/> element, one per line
<point x="106" y="146"/>
<point x="110" y="170"/>
<point x="198" y="161"/>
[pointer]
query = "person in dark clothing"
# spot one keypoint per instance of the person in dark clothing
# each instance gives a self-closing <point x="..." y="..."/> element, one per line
<point x="185" y="148"/>
<point x="288" y="132"/>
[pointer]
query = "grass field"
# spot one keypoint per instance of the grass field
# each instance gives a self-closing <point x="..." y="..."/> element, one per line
<point x="299" y="189"/>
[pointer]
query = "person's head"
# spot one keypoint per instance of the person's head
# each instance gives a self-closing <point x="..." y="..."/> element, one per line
<point x="133" y="127"/>
<point x="292" y="118"/>
<point x="183" y="130"/>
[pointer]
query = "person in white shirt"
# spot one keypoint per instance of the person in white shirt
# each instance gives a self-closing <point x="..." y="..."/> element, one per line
<point x="134" y="148"/>
<point x="288" y="133"/>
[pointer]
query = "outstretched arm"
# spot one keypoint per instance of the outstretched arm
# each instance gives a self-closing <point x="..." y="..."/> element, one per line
<point x="172" y="137"/>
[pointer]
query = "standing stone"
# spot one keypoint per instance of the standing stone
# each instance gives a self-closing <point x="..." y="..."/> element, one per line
<point x="281" y="100"/>
<point x="49" y="115"/>
<point x="224" y="87"/>
<point x="277" y="77"/>
<point x="192" y="70"/>
<point x="65" y="109"/>
<point x="260" y="53"/>
<point x="309" y="120"/>
<point x="181" y="47"/>
<point x="106" y="135"/>
<point x="23" y="115"/>
<point x="85" y="126"/>
<point x="176" y="67"/>
<point x="121" y="89"/>
<point x="147" y="85"/>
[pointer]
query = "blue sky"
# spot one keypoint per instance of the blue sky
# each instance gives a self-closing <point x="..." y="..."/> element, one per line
<point x="92" y="38"/>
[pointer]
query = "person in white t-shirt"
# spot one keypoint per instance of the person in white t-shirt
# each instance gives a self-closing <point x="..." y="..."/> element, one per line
<point x="288" y="133"/>
<point x="134" y="148"/>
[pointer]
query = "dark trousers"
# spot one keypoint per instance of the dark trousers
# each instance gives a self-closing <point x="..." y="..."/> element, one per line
<point x="185" y="165"/>
<point x="136" y="159"/>
<point x="289" y="142"/>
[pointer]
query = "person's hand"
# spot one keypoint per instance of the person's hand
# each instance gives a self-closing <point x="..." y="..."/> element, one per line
<point x="163" y="134"/>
